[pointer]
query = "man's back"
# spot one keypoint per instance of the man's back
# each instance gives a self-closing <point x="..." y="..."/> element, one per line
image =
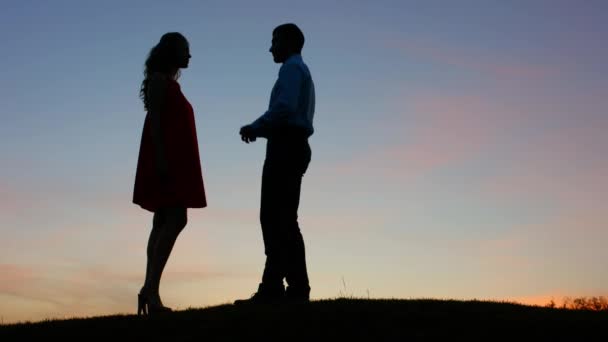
<point x="304" y="114"/>
<point x="292" y="101"/>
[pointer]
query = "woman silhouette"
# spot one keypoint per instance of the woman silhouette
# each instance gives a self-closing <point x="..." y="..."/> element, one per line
<point x="168" y="178"/>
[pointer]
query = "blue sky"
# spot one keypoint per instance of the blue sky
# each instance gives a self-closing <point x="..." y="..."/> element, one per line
<point x="459" y="150"/>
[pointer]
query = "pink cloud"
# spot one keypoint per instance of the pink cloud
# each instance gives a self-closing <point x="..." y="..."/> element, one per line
<point x="12" y="276"/>
<point x="441" y="131"/>
<point x="21" y="280"/>
<point x="16" y="202"/>
<point x="82" y="290"/>
<point x="565" y="165"/>
<point x="475" y="59"/>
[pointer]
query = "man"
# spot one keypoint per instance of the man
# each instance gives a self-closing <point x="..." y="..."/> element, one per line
<point x="287" y="125"/>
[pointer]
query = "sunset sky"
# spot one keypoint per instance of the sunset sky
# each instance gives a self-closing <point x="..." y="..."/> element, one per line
<point x="460" y="150"/>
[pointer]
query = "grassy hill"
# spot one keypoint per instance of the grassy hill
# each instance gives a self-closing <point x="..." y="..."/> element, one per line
<point x="332" y="320"/>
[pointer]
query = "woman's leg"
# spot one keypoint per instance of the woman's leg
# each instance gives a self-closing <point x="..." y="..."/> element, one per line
<point x="157" y="223"/>
<point x="162" y="239"/>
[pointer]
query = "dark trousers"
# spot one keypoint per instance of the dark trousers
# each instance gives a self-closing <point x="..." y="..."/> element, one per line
<point x="287" y="159"/>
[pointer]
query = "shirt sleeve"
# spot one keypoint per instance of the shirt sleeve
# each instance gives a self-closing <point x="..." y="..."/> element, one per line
<point x="284" y="100"/>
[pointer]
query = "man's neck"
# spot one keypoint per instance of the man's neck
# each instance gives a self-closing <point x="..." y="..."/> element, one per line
<point x="291" y="56"/>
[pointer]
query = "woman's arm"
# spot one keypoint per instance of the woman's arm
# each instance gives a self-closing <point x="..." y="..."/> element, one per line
<point x="157" y="90"/>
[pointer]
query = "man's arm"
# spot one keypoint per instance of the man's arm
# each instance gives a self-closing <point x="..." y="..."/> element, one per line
<point x="284" y="101"/>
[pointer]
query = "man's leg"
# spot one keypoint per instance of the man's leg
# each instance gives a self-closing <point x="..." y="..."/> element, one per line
<point x="283" y="243"/>
<point x="272" y="230"/>
<point x="296" y="272"/>
<point x="271" y="289"/>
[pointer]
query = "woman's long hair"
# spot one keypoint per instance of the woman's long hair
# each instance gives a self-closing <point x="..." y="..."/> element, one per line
<point x="162" y="58"/>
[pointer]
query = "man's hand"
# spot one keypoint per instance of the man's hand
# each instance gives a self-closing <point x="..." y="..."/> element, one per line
<point x="247" y="134"/>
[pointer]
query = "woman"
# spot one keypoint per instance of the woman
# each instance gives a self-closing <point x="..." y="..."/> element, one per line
<point x="168" y="178"/>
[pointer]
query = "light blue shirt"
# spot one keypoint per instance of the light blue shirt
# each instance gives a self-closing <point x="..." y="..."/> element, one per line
<point x="292" y="100"/>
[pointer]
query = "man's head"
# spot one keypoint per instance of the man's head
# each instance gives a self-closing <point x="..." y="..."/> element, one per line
<point x="287" y="40"/>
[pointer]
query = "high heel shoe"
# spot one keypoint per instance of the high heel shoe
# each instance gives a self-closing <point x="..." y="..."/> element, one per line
<point x="142" y="305"/>
<point x="147" y="307"/>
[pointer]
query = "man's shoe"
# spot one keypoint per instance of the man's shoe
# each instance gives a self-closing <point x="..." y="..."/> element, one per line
<point x="297" y="295"/>
<point x="265" y="295"/>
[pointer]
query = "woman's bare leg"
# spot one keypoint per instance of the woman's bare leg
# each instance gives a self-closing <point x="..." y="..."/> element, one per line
<point x="166" y="228"/>
<point x="157" y="223"/>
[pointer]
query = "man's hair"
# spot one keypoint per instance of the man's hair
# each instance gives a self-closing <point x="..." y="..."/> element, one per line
<point x="292" y="34"/>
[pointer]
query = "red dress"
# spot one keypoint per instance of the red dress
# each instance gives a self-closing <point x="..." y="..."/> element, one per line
<point x="185" y="186"/>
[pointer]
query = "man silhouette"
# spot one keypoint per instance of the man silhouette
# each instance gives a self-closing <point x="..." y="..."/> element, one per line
<point x="287" y="125"/>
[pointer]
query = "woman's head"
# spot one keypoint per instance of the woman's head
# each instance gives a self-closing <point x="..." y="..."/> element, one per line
<point x="169" y="55"/>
